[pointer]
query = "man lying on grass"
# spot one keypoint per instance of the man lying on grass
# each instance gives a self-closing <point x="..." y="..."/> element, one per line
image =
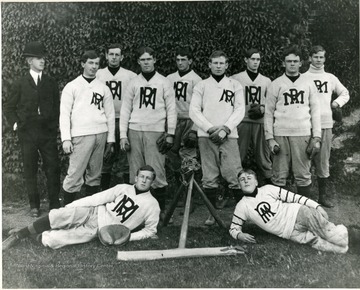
<point x="82" y="220"/>
<point x="289" y="216"/>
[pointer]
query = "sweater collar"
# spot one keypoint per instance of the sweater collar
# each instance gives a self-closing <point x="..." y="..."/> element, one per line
<point x="316" y="70"/>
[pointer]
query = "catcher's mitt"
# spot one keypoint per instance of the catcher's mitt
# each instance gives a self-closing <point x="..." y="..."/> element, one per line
<point x="165" y="142"/>
<point x="314" y="147"/>
<point x="255" y="111"/>
<point x="190" y="140"/>
<point x="219" y="136"/>
<point x="337" y="114"/>
<point x="112" y="235"/>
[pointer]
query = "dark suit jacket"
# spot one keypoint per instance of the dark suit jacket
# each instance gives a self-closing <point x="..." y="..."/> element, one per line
<point x="26" y="98"/>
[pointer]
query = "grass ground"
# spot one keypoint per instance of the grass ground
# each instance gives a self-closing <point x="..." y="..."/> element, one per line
<point x="271" y="263"/>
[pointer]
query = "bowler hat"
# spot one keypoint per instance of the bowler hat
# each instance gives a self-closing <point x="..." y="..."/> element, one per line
<point x="34" y="48"/>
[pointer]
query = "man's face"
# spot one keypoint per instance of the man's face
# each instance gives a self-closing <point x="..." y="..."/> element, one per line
<point x="183" y="63"/>
<point x="248" y="183"/>
<point x="292" y="64"/>
<point x="318" y="59"/>
<point x="90" y="67"/>
<point x="147" y="62"/>
<point x="218" y="65"/>
<point x="114" y="57"/>
<point x="144" y="180"/>
<point x="253" y="62"/>
<point x="37" y="64"/>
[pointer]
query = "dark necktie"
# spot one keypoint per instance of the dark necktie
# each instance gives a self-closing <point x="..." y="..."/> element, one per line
<point x="38" y="80"/>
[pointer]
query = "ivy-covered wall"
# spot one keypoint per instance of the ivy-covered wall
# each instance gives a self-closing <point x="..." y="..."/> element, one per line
<point x="69" y="28"/>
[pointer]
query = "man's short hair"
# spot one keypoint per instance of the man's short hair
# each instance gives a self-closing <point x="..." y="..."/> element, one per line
<point x="248" y="171"/>
<point x="113" y="45"/>
<point x="145" y="49"/>
<point x="184" y="51"/>
<point x="147" y="168"/>
<point x="251" y="51"/>
<point x="315" y="49"/>
<point x="218" y="53"/>
<point x="294" y="49"/>
<point x="89" y="54"/>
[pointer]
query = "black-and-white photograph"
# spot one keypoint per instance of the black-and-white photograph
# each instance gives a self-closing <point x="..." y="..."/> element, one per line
<point x="180" y="144"/>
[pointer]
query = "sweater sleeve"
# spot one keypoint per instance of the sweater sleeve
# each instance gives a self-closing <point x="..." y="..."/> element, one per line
<point x="170" y="105"/>
<point x="314" y="111"/>
<point x="341" y="92"/>
<point x="126" y="108"/>
<point x="270" y="105"/>
<point x="195" y="110"/>
<point x="99" y="198"/>
<point x="237" y="221"/>
<point x="110" y="115"/>
<point x="288" y="196"/>
<point x="66" y="104"/>
<point x="239" y="108"/>
<point x="150" y="228"/>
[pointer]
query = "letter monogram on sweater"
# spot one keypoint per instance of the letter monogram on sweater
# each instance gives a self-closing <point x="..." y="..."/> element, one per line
<point x="252" y="95"/>
<point x="264" y="210"/>
<point x="115" y="88"/>
<point x="228" y="97"/>
<point x="293" y="97"/>
<point x="97" y="100"/>
<point x="147" y="96"/>
<point x="180" y="90"/>
<point x="321" y="85"/>
<point x="125" y="208"/>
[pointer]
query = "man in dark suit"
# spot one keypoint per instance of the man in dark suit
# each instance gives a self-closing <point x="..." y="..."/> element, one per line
<point x="32" y="110"/>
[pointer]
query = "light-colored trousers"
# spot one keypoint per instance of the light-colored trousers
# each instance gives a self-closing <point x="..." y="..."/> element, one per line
<point x="292" y="155"/>
<point x="86" y="160"/>
<point x="312" y="228"/>
<point x="221" y="159"/>
<point x="144" y="151"/>
<point x="322" y="159"/>
<point x="70" y="226"/>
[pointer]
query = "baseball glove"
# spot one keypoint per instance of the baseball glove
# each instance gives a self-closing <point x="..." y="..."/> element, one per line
<point x="337" y="114"/>
<point x="255" y="111"/>
<point x="219" y="136"/>
<point x="165" y="142"/>
<point x="114" y="235"/>
<point x="190" y="140"/>
<point x="314" y="147"/>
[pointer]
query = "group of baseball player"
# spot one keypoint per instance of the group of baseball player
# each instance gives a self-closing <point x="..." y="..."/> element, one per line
<point x="113" y="117"/>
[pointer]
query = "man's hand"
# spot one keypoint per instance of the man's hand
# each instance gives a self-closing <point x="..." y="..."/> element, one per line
<point x="109" y="150"/>
<point x="323" y="212"/>
<point x="124" y="144"/>
<point x="68" y="147"/>
<point x="219" y="136"/>
<point x="165" y="142"/>
<point x="245" y="238"/>
<point x="313" y="147"/>
<point x="190" y="140"/>
<point x="274" y="146"/>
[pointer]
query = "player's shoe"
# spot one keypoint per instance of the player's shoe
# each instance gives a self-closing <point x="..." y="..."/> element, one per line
<point x="34" y="212"/>
<point x="12" y="240"/>
<point x="210" y="221"/>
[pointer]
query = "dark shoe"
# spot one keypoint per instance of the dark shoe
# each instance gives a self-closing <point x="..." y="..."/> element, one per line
<point x="323" y="196"/>
<point x="11" y="241"/>
<point x="354" y="239"/>
<point x="221" y="202"/>
<point x="90" y="190"/>
<point x="34" y="212"/>
<point x="304" y="190"/>
<point x="325" y="203"/>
